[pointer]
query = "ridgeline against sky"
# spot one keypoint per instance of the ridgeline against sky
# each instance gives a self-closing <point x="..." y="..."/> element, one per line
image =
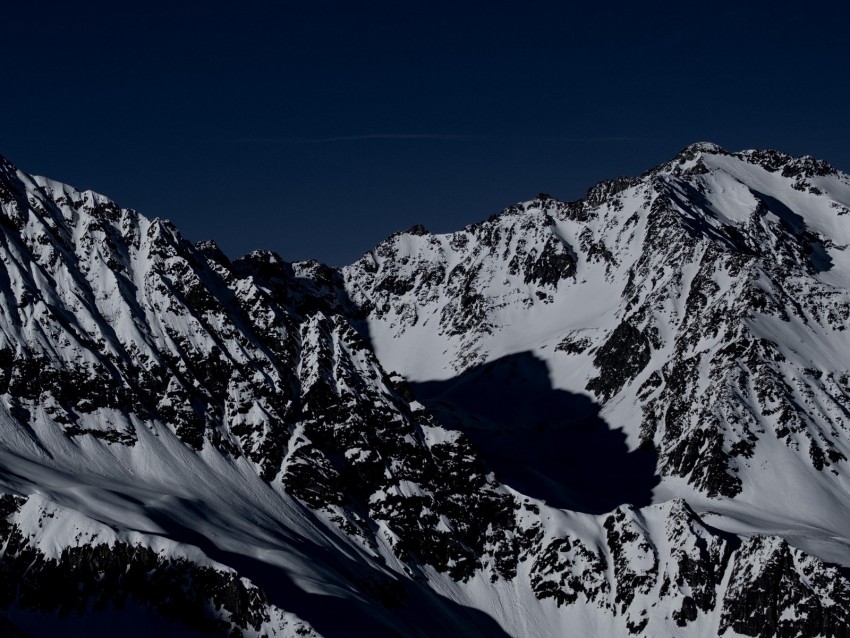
<point x="316" y="129"/>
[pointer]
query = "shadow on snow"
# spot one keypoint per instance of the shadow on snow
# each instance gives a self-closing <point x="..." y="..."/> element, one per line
<point x="546" y="443"/>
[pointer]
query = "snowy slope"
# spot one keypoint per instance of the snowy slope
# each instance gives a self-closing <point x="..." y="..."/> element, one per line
<point x="611" y="384"/>
<point x="704" y="305"/>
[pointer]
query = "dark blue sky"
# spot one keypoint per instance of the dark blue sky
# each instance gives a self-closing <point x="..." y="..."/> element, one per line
<point x="317" y="128"/>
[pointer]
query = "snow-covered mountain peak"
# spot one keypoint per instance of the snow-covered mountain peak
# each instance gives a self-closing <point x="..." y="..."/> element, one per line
<point x="645" y="291"/>
<point x="689" y="157"/>
<point x="624" y="415"/>
<point x="702" y="147"/>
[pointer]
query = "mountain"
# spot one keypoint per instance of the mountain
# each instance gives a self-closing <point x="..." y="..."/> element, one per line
<point x="624" y="415"/>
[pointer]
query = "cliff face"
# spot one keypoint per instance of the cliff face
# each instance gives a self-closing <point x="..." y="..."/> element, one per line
<point x="479" y="432"/>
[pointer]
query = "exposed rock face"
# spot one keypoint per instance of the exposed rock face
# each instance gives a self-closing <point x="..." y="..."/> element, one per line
<point x="176" y="422"/>
<point x="775" y="590"/>
<point x="619" y="360"/>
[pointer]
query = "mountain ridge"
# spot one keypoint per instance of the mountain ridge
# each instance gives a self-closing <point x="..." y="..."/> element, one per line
<point x="234" y="411"/>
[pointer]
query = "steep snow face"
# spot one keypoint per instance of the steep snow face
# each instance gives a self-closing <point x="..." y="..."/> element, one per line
<point x="157" y="386"/>
<point x="704" y="304"/>
<point x="210" y="442"/>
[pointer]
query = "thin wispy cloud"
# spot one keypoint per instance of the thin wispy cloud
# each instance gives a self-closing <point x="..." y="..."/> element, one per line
<point x="447" y="137"/>
<point x="357" y="138"/>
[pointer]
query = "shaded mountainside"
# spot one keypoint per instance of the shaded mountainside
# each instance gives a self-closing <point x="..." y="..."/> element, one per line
<point x="236" y="447"/>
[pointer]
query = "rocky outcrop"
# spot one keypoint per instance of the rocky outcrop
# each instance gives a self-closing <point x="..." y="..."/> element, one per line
<point x="775" y="590"/>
